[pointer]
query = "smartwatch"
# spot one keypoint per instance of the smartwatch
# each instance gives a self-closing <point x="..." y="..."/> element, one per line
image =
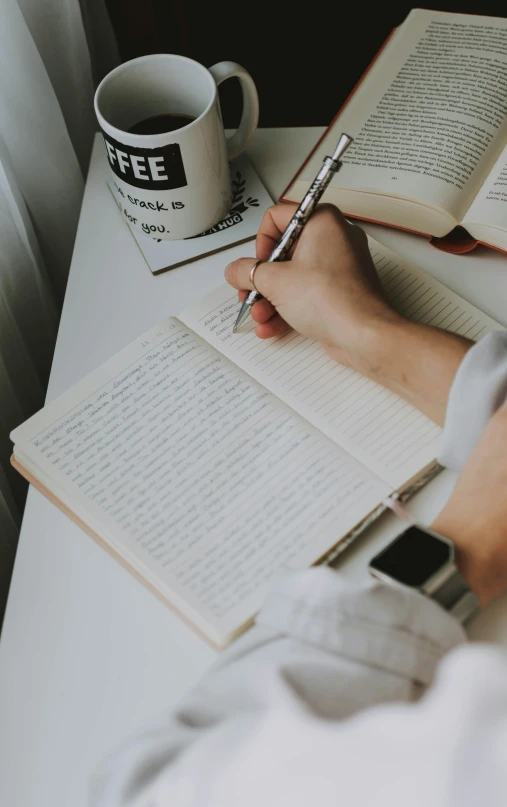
<point x="423" y="560"/>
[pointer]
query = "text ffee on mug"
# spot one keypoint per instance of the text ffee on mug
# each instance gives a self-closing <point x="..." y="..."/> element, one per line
<point x="175" y="184"/>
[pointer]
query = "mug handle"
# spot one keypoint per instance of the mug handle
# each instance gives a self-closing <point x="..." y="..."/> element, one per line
<point x="250" y="117"/>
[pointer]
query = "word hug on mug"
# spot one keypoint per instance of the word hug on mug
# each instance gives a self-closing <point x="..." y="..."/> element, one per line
<point x="154" y="169"/>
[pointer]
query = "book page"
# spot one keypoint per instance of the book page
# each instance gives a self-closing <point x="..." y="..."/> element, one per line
<point x="379" y="428"/>
<point x="429" y="119"/>
<point x="195" y="475"/>
<point x="490" y="205"/>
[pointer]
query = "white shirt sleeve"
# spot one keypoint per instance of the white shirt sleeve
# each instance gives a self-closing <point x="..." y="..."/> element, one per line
<point x="479" y="389"/>
<point x="326" y="701"/>
<point x="313" y="704"/>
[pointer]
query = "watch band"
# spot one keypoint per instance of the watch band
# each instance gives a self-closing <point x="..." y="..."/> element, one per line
<point x="455" y="595"/>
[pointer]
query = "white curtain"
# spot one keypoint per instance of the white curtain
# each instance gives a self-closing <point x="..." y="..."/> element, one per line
<point x="52" y="53"/>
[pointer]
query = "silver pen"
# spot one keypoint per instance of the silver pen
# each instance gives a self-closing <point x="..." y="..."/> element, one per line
<point x="311" y="199"/>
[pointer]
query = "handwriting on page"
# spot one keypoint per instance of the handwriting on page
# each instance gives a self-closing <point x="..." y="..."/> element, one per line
<point x="375" y="425"/>
<point x="202" y="468"/>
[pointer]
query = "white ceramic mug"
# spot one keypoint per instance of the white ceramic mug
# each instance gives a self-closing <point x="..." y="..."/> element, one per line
<point x="176" y="184"/>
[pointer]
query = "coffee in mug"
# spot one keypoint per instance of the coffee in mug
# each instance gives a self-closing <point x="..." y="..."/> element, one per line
<point x="159" y="124"/>
<point x="165" y="142"/>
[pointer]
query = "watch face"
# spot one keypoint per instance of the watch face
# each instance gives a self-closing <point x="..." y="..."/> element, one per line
<point x="412" y="558"/>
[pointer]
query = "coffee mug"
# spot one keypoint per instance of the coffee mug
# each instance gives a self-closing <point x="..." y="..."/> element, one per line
<point x="171" y="184"/>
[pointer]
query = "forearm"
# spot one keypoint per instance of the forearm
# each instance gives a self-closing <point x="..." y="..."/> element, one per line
<point x="462" y="384"/>
<point x="415" y="361"/>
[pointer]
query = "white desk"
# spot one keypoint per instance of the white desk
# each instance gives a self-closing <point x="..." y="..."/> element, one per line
<point x="87" y="653"/>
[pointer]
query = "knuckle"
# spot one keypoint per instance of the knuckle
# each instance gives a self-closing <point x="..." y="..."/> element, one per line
<point x="236" y="267"/>
<point x="327" y="207"/>
<point x="331" y="213"/>
<point x="271" y="212"/>
<point x="233" y="270"/>
<point x="331" y="210"/>
<point x="263" y="277"/>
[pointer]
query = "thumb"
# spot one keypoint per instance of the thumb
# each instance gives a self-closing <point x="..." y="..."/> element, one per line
<point x="267" y="275"/>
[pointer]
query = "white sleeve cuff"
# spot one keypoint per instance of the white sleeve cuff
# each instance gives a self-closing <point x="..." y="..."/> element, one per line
<point x="394" y="629"/>
<point x="478" y="390"/>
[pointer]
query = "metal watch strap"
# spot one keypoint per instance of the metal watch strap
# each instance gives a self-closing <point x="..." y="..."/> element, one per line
<point x="456" y="597"/>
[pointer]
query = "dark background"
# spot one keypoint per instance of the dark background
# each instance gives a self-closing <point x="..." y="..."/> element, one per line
<point x="304" y="56"/>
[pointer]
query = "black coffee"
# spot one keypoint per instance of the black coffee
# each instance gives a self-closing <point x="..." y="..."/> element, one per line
<point x="159" y="124"/>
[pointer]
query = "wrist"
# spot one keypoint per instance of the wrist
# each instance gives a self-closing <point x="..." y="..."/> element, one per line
<point x="376" y="350"/>
<point x="479" y="566"/>
<point x="415" y="361"/>
<point x="365" y="343"/>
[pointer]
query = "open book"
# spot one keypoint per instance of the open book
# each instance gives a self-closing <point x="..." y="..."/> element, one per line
<point x="205" y="460"/>
<point x="429" y="119"/>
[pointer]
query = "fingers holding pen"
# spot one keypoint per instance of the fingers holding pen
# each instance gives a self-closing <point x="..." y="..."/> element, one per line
<point x="267" y="277"/>
<point x="269" y="322"/>
<point x="261" y="311"/>
<point x="273" y="224"/>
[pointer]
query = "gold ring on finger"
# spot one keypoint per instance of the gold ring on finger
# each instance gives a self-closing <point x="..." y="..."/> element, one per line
<point x="252" y="275"/>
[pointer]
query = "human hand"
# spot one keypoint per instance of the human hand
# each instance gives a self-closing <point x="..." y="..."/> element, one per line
<point x="475" y="517"/>
<point x="330" y="291"/>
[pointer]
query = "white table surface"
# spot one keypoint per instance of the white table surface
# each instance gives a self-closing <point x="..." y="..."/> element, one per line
<point x="87" y="653"/>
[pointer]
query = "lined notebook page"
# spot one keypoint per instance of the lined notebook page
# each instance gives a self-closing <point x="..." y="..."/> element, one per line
<point x="196" y="475"/>
<point x="376" y="426"/>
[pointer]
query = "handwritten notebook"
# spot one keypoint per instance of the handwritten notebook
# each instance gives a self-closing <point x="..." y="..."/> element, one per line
<point x="205" y="460"/>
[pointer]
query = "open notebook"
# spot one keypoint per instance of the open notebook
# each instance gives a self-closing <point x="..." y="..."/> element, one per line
<point x="205" y="460"/>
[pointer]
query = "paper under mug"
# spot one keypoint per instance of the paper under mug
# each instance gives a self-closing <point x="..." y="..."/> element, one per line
<point x="177" y="184"/>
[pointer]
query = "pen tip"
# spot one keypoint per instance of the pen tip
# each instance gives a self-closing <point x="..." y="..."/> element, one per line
<point x="243" y="313"/>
